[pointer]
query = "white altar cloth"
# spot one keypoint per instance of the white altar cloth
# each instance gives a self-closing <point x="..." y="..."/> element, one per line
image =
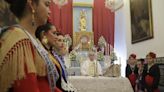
<point x="100" y="84"/>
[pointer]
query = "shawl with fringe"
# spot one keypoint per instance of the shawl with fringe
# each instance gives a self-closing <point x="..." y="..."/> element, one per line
<point x="16" y="54"/>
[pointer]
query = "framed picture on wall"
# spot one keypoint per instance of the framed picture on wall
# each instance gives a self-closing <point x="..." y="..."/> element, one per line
<point x="141" y="20"/>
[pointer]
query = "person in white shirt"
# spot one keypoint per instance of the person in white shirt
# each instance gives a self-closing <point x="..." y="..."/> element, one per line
<point x="91" y="67"/>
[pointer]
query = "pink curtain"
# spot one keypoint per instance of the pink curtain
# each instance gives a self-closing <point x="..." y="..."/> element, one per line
<point x="62" y="17"/>
<point x="103" y="22"/>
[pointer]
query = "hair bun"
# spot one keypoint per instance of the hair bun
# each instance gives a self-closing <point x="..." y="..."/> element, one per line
<point x="10" y="1"/>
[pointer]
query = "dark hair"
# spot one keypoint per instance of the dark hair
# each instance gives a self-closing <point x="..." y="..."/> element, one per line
<point x="133" y="56"/>
<point x="58" y="33"/>
<point x="10" y="1"/>
<point x="43" y="28"/>
<point x="18" y="7"/>
<point x="141" y="60"/>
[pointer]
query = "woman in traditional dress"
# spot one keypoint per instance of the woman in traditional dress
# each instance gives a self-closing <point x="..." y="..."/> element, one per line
<point x="151" y="74"/>
<point x="139" y="82"/>
<point x="131" y="70"/>
<point x="24" y="63"/>
<point x="57" y="48"/>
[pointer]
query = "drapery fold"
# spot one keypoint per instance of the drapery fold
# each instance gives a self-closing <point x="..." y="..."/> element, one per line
<point x="103" y="22"/>
<point x="61" y="17"/>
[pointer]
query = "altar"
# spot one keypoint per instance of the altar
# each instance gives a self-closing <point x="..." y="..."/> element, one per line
<point x="100" y="84"/>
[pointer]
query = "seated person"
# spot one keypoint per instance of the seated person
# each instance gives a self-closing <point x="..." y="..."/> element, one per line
<point x="91" y="67"/>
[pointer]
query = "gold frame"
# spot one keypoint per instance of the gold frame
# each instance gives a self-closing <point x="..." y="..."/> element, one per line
<point x="77" y="38"/>
<point x="83" y="4"/>
<point x="141" y="20"/>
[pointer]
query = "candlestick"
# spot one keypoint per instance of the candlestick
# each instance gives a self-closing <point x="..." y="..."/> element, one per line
<point x="111" y="49"/>
<point x="108" y="49"/>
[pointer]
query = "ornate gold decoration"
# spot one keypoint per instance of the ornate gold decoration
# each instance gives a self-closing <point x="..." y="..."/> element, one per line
<point x="83" y="21"/>
<point x="45" y="40"/>
<point x="33" y="17"/>
<point x="83" y="4"/>
<point x="114" y="5"/>
<point x="84" y="39"/>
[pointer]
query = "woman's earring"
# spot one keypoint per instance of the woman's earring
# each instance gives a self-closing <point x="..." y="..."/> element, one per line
<point x="44" y="40"/>
<point x="33" y="17"/>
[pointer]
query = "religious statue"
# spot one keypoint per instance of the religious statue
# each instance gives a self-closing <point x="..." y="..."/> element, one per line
<point x="83" y="20"/>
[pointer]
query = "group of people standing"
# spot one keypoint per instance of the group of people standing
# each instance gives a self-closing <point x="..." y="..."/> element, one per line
<point x="31" y="52"/>
<point x="143" y="74"/>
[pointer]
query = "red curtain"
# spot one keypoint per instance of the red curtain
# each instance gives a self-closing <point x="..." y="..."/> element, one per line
<point x="61" y="17"/>
<point x="103" y="22"/>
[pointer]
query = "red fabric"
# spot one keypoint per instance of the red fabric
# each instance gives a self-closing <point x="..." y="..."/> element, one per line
<point x="103" y="22"/>
<point x="62" y="17"/>
<point x="149" y="80"/>
<point x="57" y="90"/>
<point x="29" y="84"/>
<point x="156" y="90"/>
<point x="132" y="78"/>
<point x="33" y="84"/>
<point x="43" y="84"/>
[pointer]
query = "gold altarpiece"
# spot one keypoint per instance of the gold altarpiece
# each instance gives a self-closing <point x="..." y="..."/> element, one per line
<point x="83" y="36"/>
<point x="83" y="39"/>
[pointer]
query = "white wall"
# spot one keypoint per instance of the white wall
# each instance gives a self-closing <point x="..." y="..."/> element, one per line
<point x="123" y="46"/>
<point x="156" y="44"/>
<point x="120" y="46"/>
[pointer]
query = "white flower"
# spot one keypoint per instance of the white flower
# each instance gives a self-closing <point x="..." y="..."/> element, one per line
<point x="113" y="56"/>
<point x="68" y="40"/>
<point x="60" y="2"/>
<point x="100" y="56"/>
<point x="101" y="42"/>
<point x="72" y="56"/>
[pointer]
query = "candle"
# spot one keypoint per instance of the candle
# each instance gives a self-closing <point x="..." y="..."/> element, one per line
<point x="108" y="49"/>
<point x="111" y="48"/>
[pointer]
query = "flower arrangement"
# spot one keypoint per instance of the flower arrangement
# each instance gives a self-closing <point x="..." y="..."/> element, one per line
<point x="101" y="42"/>
<point x="68" y="40"/>
<point x="100" y="56"/>
<point x="72" y="55"/>
<point x="113" y="56"/>
<point x="60" y="3"/>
